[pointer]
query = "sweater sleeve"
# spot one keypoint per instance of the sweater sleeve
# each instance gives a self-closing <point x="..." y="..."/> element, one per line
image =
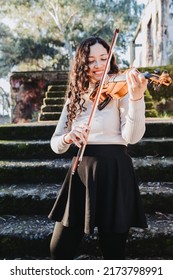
<point x="57" y="141"/>
<point x="132" y="118"/>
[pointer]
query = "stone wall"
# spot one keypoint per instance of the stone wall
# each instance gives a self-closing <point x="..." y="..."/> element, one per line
<point x="153" y="40"/>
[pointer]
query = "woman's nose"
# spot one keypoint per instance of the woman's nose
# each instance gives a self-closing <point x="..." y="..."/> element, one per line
<point x="97" y="63"/>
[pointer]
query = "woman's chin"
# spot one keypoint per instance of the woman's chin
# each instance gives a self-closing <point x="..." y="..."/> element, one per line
<point x="97" y="77"/>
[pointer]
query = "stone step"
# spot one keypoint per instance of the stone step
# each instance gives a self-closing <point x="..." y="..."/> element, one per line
<point x="37" y="149"/>
<point x="54" y="94"/>
<point x="39" y="130"/>
<point x="157" y="196"/>
<point x="59" y="76"/>
<point x="162" y="146"/>
<point x="33" y="171"/>
<point x="51" y="108"/>
<point x="154" y="169"/>
<point x="24" y="236"/>
<point x="149" y="169"/>
<point x="27" y="131"/>
<point x="38" y="198"/>
<point x="62" y="86"/>
<point x="53" y="101"/>
<point x="49" y="116"/>
<point x="156" y="241"/>
<point x="28" y="199"/>
<point x="159" y="128"/>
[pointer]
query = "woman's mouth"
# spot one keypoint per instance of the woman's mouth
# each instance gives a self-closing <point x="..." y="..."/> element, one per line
<point x="98" y="73"/>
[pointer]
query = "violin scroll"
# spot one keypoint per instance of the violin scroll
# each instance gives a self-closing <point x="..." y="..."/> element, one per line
<point x="163" y="79"/>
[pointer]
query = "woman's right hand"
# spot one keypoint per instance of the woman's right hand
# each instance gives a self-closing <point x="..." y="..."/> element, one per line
<point x="78" y="135"/>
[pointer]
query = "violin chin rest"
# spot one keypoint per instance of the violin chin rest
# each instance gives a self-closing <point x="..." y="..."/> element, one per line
<point x="103" y="104"/>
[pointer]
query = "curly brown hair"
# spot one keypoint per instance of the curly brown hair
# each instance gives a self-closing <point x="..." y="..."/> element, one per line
<point x="79" y="78"/>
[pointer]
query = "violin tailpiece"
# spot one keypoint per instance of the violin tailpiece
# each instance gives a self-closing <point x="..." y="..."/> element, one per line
<point x="104" y="103"/>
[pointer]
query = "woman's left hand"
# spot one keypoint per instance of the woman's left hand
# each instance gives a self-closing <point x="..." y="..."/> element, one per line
<point x="137" y="84"/>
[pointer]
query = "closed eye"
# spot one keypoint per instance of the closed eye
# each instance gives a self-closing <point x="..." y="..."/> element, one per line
<point x="94" y="61"/>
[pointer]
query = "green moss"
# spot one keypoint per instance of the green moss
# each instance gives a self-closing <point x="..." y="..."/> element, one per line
<point x="151" y="113"/>
<point x="150" y="110"/>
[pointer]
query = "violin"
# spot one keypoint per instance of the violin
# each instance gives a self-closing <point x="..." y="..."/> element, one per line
<point x="116" y="86"/>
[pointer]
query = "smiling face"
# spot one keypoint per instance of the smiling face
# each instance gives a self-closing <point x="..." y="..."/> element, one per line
<point x="96" y="61"/>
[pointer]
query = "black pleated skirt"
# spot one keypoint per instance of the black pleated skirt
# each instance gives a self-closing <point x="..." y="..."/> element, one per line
<point x="103" y="192"/>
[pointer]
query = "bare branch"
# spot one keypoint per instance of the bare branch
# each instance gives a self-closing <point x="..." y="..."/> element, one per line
<point x="55" y="15"/>
<point x="70" y="18"/>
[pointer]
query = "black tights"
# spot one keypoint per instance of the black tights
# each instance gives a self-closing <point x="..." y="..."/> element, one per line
<point x="65" y="242"/>
<point x="113" y="245"/>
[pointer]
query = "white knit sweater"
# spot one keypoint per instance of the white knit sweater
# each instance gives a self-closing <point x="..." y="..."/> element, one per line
<point x="120" y="122"/>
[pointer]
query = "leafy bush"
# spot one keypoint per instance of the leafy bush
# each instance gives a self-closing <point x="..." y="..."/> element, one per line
<point x="159" y="98"/>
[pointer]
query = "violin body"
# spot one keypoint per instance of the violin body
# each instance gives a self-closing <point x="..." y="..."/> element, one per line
<point x="116" y="86"/>
<point x="110" y="91"/>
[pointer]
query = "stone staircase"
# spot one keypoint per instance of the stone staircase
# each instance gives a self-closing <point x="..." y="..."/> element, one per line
<point x="31" y="175"/>
<point x="54" y="100"/>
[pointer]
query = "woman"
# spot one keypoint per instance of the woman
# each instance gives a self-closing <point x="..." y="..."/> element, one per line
<point x="103" y="191"/>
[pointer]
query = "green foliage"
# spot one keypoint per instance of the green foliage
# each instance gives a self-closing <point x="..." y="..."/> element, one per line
<point x="150" y="110"/>
<point x="160" y="97"/>
<point x="44" y="33"/>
